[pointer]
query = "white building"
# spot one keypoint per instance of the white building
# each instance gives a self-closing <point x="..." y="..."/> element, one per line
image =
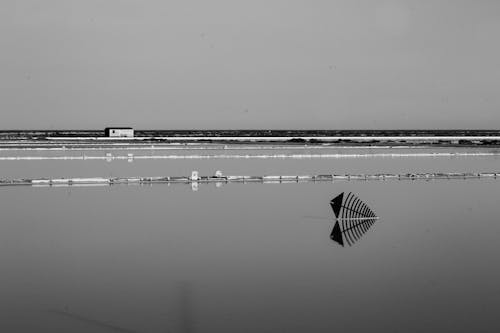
<point x="119" y="132"/>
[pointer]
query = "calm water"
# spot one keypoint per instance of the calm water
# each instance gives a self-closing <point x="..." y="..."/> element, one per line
<point x="249" y="257"/>
<point x="251" y="166"/>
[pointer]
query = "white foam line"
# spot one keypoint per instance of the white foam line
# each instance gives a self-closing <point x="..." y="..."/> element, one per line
<point x="84" y="147"/>
<point x="249" y="156"/>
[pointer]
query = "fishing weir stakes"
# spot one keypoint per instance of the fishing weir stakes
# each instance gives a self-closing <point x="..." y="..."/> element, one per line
<point x="218" y="178"/>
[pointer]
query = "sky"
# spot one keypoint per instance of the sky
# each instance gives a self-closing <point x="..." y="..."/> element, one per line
<point x="230" y="64"/>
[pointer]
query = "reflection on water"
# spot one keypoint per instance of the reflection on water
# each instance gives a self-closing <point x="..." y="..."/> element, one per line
<point x="241" y="259"/>
<point x="183" y="320"/>
<point x="353" y="219"/>
<point x="187" y="320"/>
<point x="92" y="322"/>
<point x="89" y="163"/>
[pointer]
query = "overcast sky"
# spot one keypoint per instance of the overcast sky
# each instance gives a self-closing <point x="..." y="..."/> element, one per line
<point x="249" y="64"/>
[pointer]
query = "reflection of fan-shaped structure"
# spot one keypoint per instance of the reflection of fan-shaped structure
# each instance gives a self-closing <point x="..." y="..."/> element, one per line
<point x="353" y="219"/>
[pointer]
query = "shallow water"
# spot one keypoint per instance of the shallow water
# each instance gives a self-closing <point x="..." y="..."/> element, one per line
<point x="249" y="257"/>
<point x="335" y="161"/>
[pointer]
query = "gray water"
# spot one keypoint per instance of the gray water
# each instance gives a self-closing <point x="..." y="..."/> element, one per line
<point x="135" y="167"/>
<point x="249" y="257"/>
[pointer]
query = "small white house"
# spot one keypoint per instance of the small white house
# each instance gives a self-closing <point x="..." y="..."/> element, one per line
<point x="119" y="132"/>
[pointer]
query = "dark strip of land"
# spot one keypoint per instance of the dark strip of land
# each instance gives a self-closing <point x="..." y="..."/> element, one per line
<point x="69" y="139"/>
<point x="43" y="134"/>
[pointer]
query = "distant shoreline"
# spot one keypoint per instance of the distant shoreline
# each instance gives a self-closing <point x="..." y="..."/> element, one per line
<point x="42" y="134"/>
<point x="64" y="139"/>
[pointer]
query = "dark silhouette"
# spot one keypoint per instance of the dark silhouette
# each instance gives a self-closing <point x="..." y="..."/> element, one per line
<point x="353" y="218"/>
<point x="350" y="208"/>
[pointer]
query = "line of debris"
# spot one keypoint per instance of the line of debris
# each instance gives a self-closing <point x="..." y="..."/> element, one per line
<point x="220" y="178"/>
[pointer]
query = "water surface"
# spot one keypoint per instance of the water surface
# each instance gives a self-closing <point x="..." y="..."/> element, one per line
<point x="249" y="257"/>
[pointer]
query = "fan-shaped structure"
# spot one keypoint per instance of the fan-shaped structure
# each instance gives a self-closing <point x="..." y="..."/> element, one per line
<point x="353" y="219"/>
